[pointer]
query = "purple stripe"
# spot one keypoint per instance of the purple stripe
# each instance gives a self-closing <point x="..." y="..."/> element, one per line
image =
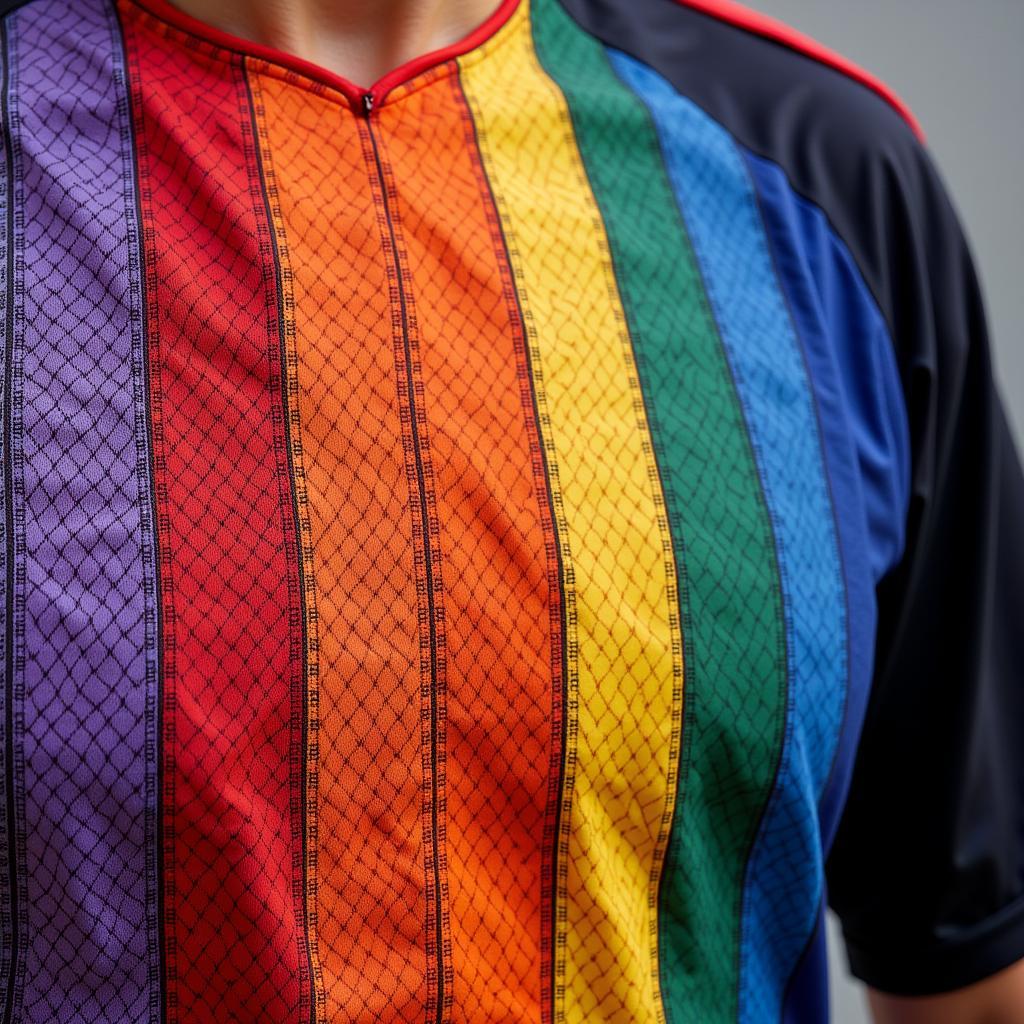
<point x="89" y="684"/>
<point x="9" y="928"/>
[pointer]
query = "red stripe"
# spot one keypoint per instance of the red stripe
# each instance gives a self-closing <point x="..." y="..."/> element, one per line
<point x="167" y="12"/>
<point x="780" y="32"/>
<point x="231" y="624"/>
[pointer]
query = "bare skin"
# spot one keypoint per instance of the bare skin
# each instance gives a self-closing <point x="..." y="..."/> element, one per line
<point x="362" y="40"/>
<point x="998" y="999"/>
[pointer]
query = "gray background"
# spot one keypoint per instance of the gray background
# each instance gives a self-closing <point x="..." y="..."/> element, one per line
<point x="959" y="67"/>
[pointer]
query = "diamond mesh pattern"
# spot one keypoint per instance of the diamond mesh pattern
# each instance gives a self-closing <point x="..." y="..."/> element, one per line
<point x="372" y="865"/>
<point x="785" y="870"/>
<point x="501" y="606"/>
<point x="10" y="192"/>
<point x="426" y="546"/>
<point x="736" y="676"/>
<point x="232" y="637"/>
<point x="89" y="643"/>
<point x="628" y="658"/>
<point x="424" y="416"/>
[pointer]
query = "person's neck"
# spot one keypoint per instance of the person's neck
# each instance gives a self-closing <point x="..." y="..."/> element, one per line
<point x="361" y="40"/>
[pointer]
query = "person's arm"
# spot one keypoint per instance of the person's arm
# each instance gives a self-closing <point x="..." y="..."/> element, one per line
<point x="998" y="999"/>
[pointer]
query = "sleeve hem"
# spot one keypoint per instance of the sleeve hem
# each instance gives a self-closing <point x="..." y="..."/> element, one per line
<point x="974" y="953"/>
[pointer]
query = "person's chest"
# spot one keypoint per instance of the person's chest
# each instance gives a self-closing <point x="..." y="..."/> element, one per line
<point x="424" y="511"/>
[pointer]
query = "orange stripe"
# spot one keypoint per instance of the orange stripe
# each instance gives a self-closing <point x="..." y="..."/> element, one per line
<point x="429" y="573"/>
<point x="501" y="598"/>
<point x="365" y="821"/>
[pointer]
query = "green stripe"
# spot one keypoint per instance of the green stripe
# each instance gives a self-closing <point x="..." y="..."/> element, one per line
<point x="730" y="598"/>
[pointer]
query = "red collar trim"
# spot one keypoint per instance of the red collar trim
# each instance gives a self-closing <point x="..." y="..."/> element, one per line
<point x="172" y="15"/>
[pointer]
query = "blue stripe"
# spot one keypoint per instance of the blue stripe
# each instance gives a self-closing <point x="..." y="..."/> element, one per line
<point x="716" y="197"/>
<point x="857" y="389"/>
<point x="807" y="997"/>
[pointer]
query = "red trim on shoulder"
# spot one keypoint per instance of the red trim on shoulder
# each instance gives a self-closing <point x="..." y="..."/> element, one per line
<point x="172" y="15"/>
<point x="780" y="32"/>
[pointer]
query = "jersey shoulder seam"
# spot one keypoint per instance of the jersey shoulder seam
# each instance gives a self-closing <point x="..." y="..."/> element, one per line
<point x="778" y="31"/>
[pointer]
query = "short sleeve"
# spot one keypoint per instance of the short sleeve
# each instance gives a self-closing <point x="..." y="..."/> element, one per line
<point x="927" y="868"/>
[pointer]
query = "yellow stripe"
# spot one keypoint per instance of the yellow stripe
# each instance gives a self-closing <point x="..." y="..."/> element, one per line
<point x="623" y="638"/>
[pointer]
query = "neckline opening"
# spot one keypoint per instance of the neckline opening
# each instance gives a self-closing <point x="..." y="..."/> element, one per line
<point x="360" y="98"/>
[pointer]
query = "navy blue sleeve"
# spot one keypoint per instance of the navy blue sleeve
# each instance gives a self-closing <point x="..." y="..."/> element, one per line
<point x="927" y="869"/>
